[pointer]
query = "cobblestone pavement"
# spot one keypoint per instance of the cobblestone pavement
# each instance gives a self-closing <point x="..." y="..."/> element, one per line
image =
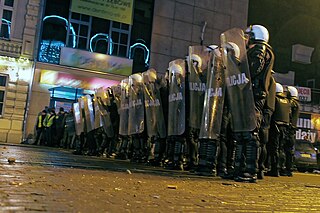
<point x="53" y="180"/>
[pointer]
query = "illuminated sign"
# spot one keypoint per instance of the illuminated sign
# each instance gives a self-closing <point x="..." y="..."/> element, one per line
<point x="95" y="61"/>
<point x="304" y="93"/>
<point x="308" y="127"/>
<point x="65" y="79"/>
<point x="114" y="10"/>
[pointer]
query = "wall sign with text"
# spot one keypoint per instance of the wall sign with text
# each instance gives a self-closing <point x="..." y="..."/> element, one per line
<point x="114" y="10"/>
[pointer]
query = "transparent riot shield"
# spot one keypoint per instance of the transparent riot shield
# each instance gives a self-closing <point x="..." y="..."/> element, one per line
<point x="198" y="60"/>
<point x="105" y="118"/>
<point x="214" y="98"/>
<point x="78" y="118"/>
<point x="82" y="113"/>
<point x="97" y="114"/>
<point x="177" y="106"/>
<point x="124" y="107"/>
<point x="238" y="81"/>
<point x="89" y="113"/>
<point x="117" y="94"/>
<point x="136" y="104"/>
<point x="153" y="105"/>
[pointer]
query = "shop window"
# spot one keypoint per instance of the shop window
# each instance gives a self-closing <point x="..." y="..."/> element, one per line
<point x="3" y="85"/>
<point x="6" y="13"/>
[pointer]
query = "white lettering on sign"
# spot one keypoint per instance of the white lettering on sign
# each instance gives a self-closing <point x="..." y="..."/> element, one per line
<point x="135" y="103"/>
<point x="306" y="135"/>
<point x="199" y="87"/>
<point x="150" y="103"/>
<point x="175" y="97"/>
<point x="305" y="123"/>
<point x="239" y="79"/>
<point x="215" y="92"/>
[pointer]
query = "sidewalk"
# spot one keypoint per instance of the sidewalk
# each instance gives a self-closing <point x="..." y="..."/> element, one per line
<point x="43" y="180"/>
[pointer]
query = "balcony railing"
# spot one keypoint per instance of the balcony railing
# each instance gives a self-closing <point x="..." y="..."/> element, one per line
<point x="10" y="48"/>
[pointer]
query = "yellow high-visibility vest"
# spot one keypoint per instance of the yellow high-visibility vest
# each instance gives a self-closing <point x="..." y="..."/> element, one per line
<point x="40" y="121"/>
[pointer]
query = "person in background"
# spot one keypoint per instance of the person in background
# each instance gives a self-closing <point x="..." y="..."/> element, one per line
<point x="69" y="130"/>
<point x="40" y="127"/>
<point x="50" y="126"/>
<point x="60" y="125"/>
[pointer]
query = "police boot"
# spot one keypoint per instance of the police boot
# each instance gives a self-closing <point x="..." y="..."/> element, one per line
<point x="202" y="168"/>
<point x="144" y="149"/>
<point x="212" y="156"/>
<point x="238" y="162"/>
<point x="178" y="156"/>
<point x="158" y="153"/>
<point x="136" y="145"/>
<point x="123" y="150"/>
<point x="168" y="164"/>
<point x="251" y="162"/>
<point x="274" y="171"/>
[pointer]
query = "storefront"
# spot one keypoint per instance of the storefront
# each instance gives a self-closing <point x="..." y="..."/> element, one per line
<point x="79" y="73"/>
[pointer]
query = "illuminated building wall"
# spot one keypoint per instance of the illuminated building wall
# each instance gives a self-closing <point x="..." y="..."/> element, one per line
<point x="17" y="37"/>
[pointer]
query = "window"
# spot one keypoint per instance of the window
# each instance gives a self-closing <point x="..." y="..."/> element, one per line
<point x="3" y="85"/>
<point x="78" y="31"/>
<point x="311" y="83"/>
<point x="6" y="13"/>
<point x="120" y="35"/>
<point x="63" y="28"/>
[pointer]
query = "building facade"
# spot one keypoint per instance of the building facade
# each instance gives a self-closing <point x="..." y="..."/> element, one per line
<point x="17" y="35"/>
<point x="70" y="53"/>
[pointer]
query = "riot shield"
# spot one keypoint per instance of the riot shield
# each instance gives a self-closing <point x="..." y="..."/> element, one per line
<point x="153" y="105"/>
<point x="238" y="81"/>
<point x="117" y="95"/>
<point x="197" y="67"/>
<point x="105" y="118"/>
<point x="78" y="118"/>
<point x="124" y="107"/>
<point x="214" y="98"/>
<point x="97" y="114"/>
<point x="89" y="114"/>
<point x="177" y="106"/>
<point x="136" y="106"/>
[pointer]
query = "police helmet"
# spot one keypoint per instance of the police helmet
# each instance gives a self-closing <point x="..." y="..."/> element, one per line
<point x="257" y="33"/>
<point x="176" y="69"/>
<point x="196" y="58"/>
<point x="234" y="47"/>
<point x="137" y="77"/>
<point x="279" y="88"/>
<point x="293" y="92"/>
<point x="212" y="47"/>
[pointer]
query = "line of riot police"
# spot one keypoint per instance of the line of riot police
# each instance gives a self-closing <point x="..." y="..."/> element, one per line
<point x="211" y="113"/>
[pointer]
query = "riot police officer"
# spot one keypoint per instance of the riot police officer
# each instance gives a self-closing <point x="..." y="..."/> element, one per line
<point x="287" y="148"/>
<point x="268" y="110"/>
<point x="176" y="115"/>
<point x="247" y="96"/>
<point x="279" y="125"/>
<point x="197" y="77"/>
<point x="212" y="115"/>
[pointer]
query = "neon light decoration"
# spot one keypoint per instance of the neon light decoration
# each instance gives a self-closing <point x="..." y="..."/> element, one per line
<point x="66" y="26"/>
<point x="103" y="37"/>
<point x="145" y="51"/>
<point x="8" y="23"/>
